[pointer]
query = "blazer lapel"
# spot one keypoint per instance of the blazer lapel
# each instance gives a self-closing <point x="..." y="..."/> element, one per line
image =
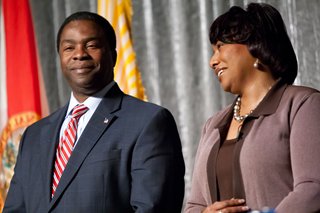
<point x="212" y="149"/>
<point x="99" y="122"/>
<point x="49" y="138"/>
<point x="217" y="133"/>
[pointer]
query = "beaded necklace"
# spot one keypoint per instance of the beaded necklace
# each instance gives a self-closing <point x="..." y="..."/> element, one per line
<point x="236" y="111"/>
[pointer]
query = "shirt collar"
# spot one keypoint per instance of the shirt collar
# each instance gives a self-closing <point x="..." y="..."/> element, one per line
<point x="91" y="102"/>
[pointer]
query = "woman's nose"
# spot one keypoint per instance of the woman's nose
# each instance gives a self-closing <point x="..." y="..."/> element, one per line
<point x="213" y="61"/>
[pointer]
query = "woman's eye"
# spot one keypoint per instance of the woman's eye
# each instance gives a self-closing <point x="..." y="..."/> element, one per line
<point x="219" y="45"/>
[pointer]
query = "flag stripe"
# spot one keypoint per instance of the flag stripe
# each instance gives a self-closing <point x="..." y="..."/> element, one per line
<point x="127" y="75"/>
<point x="3" y="83"/>
<point x="22" y="72"/>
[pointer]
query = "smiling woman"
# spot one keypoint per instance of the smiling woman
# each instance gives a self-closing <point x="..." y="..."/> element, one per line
<point x="270" y="119"/>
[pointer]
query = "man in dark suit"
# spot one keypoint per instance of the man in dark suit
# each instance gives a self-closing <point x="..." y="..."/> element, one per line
<point x="125" y="154"/>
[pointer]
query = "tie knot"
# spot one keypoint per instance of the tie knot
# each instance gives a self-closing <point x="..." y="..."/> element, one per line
<point x="78" y="111"/>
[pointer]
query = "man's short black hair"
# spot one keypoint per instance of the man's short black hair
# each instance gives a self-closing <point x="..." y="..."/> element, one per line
<point x="99" y="20"/>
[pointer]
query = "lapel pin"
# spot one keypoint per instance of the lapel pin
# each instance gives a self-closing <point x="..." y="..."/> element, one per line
<point x="106" y="120"/>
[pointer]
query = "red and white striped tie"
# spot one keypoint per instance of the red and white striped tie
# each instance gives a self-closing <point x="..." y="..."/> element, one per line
<point x="66" y="144"/>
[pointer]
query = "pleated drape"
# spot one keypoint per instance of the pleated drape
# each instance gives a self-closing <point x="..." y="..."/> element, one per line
<point x="170" y="38"/>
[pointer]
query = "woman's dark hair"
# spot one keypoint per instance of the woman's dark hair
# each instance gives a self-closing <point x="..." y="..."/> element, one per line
<point x="262" y="29"/>
<point x="99" y="20"/>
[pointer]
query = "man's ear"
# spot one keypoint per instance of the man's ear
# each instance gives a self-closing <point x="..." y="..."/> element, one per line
<point x="114" y="57"/>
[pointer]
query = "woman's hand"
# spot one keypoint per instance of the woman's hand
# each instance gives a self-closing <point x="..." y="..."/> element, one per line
<point x="225" y="206"/>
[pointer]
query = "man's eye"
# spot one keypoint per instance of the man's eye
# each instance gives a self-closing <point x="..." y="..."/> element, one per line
<point x="92" y="46"/>
<point x="68" y="48"/>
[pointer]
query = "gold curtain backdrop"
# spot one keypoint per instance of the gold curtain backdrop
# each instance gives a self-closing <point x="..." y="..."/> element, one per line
<point x="170" y="38"/>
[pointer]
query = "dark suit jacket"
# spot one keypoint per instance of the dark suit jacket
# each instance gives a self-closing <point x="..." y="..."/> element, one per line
<point x="132" y="163"/>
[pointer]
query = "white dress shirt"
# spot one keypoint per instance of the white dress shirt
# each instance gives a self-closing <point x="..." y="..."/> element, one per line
<point x="92" y="103"/>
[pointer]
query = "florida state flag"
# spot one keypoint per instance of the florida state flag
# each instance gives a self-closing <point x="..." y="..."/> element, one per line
<point x="20" y="93"/>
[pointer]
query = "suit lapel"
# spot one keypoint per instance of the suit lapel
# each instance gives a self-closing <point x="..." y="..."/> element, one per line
<point x="49" y="138"/>
<point x="99" y="122"/>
